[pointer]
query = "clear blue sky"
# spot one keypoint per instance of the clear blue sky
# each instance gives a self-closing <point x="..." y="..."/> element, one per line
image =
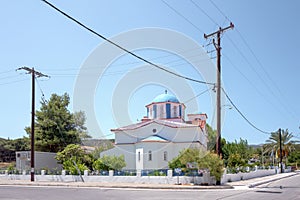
<point x="263" y="80"/>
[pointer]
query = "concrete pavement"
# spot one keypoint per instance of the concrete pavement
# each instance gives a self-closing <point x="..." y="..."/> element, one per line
<point x="248" y="183"/>
<point x="261" y="180"/>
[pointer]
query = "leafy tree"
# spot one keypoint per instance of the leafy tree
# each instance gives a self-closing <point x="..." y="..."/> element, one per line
<point x="207" y="160"/>
<point x="102" y="147"/>
<point x="109" y="163"/>
<point x="176" y="163"/>
<point x="73" y="168"/>
<point x="212" y="135"/>
<point x="240" y="148"/>
<point x="19" y="144"/>
<point x="113" y="162"/>
<point x="190" y="155"/>
<point x="79" y="121"/>
<point x="273" y="143"/>
<point x="99" y="165"/>
<point x="214" y="164"/>
<point x="236" y="160"/>
<point x="73" y="156"/>
<point x="56" y="126"/>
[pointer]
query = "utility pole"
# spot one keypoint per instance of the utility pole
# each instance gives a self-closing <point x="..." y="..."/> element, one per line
<point x="280" y="150"/>
<point x="218" y="86"/>
<point x="34" y="74"/>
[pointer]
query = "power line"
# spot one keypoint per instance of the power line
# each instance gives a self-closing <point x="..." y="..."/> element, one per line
<point x="186" y="19"/>
<point x="124" y="49"/>
<point x="234" y="46"/>
<point x="243" y="116"/>
<point x="259" y="63"/>
<point x="127" y="63"/>
<point x="7" y="71"/>
<point x="205" y="13"/>
<point x="251" y="83"/>
<point x="8" y="77"/>
<point x="219" y="10"/>
<point x="198" y="95"/>
<point x="43" y="95"/>
<point x="12" y="82"/>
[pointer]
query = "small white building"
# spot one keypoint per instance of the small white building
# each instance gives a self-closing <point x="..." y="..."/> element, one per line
<point x="160" y="136"/>
<point x="43" y="160"/>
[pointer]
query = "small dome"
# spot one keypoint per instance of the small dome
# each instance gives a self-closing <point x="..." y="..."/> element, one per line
<point x="165" y="98"/>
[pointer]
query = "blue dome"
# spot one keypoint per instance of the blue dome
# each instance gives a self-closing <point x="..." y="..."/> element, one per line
<point x="165" y="98"/>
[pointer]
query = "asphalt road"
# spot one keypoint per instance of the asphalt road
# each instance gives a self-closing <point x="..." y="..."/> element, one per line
<point x="288" y="188"/>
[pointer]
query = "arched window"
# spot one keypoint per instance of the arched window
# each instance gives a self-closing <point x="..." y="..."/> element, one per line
<point x="139" y="156"/>
<point x="175" y="112"/>
<point x="150" y="155"/>
<point x="165" y="156"/>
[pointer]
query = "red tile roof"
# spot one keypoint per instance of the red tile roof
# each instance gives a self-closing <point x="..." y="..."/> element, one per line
<point x="167" y="123"/>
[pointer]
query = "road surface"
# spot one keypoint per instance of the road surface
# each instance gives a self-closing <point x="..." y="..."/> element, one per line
<point x="288" y="188"/>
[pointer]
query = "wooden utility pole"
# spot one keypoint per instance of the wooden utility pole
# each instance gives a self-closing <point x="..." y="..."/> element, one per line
<point x="280" y="150"/>
<point x="218" y="86"/>
<point x="34" y="74"/>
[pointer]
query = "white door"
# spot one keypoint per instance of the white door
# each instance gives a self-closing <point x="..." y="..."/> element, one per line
<point x="139" y="159"/>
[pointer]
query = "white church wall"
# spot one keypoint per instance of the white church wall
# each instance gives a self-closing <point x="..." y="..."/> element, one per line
<point x="127" y="150"/>
<point x="125" y="137"/>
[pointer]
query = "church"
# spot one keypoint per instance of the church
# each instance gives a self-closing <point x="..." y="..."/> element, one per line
<point x="160" y="136"/>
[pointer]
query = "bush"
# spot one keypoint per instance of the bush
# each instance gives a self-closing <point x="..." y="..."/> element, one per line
<point x="214" y="164"/>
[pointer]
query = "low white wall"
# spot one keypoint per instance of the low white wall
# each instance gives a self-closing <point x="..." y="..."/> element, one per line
<point x="108" y="179"/>
<point x="247" y="175"/>
<point x="169" y="179"/>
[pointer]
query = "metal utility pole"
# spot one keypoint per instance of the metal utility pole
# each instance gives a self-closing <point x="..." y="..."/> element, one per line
<point x="33" y="75"/>
<point x="280" y="150"/>
<point x="218" y="86"/>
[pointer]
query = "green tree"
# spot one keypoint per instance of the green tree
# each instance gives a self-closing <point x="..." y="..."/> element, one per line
<point x="56" y="126"/>
<point x="235" y="160"/>
<point x="19" y="144"/>
<point x="79" y="122"/>
<point x="114" y="162"/>
<point x="186" y="156"/>
<point x="102" y="147"/>
<point x="206" y="160"/>
<point x="214" y="164"/>
<point x="73" y="156"/>
<point x="212" y="135"/>
<point x="273" y="143"/>
<point x="240" y="148"/>
<point x="109" y="163"/>
<point x="176" y="163"/>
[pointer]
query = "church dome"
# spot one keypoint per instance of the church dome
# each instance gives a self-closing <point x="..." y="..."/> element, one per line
<point x="165" y="98"/>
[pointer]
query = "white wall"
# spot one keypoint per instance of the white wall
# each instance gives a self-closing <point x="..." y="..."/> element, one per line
<point x="247" y="175"/>
<point x="127" y="150"/>
<point x="42" y="160"/>
<point x="188" y="134"/>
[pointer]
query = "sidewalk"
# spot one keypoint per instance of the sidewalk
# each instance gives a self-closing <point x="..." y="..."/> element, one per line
<point x="248" y="183"/>
<point x="111" y="185"/>
<point x="261" y="180"/>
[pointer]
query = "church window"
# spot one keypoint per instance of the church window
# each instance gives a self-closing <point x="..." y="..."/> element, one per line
<point x="150" y="155"/>
<point x="154" y="111"/>
<point x="161" y="111"/>
<point x="165" y="156"/>
<point x="175" y="111"/>
<point x="180" y="111"/>
<point x="168" y="111"/>
<point x="139" y="156"/>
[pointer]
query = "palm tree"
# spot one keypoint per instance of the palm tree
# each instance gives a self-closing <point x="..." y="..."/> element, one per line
<point x="273" y="143"/>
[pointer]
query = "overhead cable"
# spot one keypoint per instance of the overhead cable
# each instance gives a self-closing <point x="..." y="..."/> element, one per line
<point x="123" y="48"/>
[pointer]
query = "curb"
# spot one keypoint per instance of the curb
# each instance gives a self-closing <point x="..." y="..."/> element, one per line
<point x="140" y="186"/>
<point x="270" y="180"/>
